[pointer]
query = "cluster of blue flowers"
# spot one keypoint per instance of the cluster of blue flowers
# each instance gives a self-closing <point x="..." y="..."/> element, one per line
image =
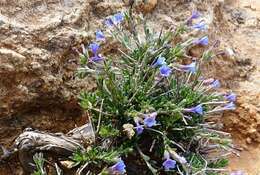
<point x="165" y="70"/>
<point x="149" y="120"/>
<point x="201" y="25"/>
<point x="100" y="37"/>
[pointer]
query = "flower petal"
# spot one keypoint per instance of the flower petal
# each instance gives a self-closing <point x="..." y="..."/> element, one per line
<point x="100" y="35"/>
<point x="119" y="167"/>
<point x="165" y="71"/>
<point x="169" y="164"/>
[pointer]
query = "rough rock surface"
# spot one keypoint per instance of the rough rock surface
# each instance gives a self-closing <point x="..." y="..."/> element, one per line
<point x="38" y="86"/>
<point x="244" y="123"/>
<point x="37" y="66"/>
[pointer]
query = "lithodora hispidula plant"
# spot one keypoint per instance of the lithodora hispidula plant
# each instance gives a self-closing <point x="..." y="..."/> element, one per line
<point x="151" y="106"/>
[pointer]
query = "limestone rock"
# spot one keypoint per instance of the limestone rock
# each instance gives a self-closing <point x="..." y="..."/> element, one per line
<point x="146" y="6"/>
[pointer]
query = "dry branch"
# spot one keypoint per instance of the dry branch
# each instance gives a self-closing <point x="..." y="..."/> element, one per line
<point x="55" y="145"/>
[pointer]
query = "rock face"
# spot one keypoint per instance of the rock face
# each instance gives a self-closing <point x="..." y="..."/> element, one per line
<point x="38" y="86"/>
<point x="36" y="38"/>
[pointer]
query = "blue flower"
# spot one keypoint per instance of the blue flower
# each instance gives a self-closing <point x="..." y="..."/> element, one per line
<point x="100" y="35"/>
<point x="195" y="15"/>
<point x="109" y="22"/>
<point x="94" y="47"/>
<point x="200" y="26"/>
<point x="215" y="84"/>
<point x="118" y="18"/>
<point x="96" y="58"/>
<point x="139" y="128"/>
<point x="230" y="106"/>
<point x="165" y="71"/>
<point x="169" y="164"/>
<point x="230" y="97"/>
<point x="202" y="41"/>
<point x="189" y="68"/>
<point x="197" y="109"/>
<point x="119" y="167"/>
<point x="159" y="62"/>
<point x="149" y="120"/>
<point x="114" y="20"/>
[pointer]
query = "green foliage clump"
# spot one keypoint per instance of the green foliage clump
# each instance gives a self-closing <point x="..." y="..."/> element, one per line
<point x="151" y="103"/>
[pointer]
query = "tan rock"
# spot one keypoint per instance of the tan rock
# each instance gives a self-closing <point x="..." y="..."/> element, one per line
<point x="146" y="6"/>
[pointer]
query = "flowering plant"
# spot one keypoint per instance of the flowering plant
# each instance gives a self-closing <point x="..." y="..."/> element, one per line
<point x="151" y="106"/>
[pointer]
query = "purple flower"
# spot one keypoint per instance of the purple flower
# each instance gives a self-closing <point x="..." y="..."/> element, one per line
<point x="237" y="173"/>
<point x="200" y="26"/>
<point x="169" y="164"/>
<point x="159" y="62"/>
<point x="94" y="47"/>
<point x="194" y="15"/>
<point x="189" y="68"/>
<point x="230" y="97"/>
<point x="100" y="35"/>
<point x="215" y="84"/>
<point x="119" y="167"/>
<point x="96" y="58"/>
<point x="230" y="106"/>
<point x="149" y="120"/>
<point x="197" y="109"/>
<point x="204" y="41"/>
<point x="165" y="71"/>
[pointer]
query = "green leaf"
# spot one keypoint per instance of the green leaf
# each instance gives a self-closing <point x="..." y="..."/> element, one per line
<point x="108" y="131"/>
<point x="83" y="59"/>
